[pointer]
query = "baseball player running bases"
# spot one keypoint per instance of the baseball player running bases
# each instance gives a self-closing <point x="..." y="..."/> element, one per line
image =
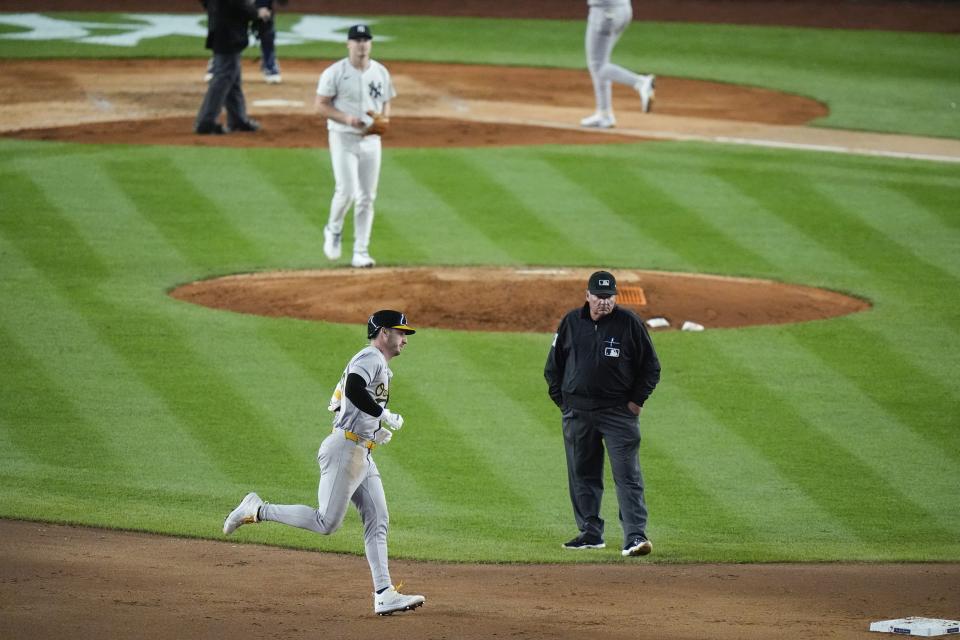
<point x="606" y="22"/>
<point x="348" y="472"/>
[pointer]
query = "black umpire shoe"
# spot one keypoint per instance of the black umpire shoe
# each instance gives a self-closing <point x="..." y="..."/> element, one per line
<point x="249" y="125"/>
<point x="214" y="128"/>
<point x="584" y="541"/>
<point x="637" y="546"/>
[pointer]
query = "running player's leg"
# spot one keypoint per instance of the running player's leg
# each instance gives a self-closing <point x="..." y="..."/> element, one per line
<point x="619" y="20"/>
<point x="342" y="468"/>
<point x="599" y="43"/>
<point x="372" y="505"/>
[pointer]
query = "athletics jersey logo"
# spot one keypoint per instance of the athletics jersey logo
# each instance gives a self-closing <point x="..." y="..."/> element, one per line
<point x="612" y="348"/>
<point x="376" y="90"/>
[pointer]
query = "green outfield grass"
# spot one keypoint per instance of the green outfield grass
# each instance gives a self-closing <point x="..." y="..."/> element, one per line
<point x="832" y="440"/>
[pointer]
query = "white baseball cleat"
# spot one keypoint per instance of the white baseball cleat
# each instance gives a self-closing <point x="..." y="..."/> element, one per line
<point x="645" y="87"/>
<point x="599" y="121"/>
<point x="245" y="513"/>
<point x="331" y="244"/>
<point x="362" y="261"/>
<point x="272" y="78"/>
<point x="392" y="601"/>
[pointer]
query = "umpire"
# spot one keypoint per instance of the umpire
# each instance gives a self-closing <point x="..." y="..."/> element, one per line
<point x="601" y="369"/>
<point x="228" y="23"/>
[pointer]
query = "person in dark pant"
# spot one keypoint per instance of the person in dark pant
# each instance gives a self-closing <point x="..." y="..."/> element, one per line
<point x="227" y="26"/>
<point x="600" y="370"/>
<point x="266" y="31"/>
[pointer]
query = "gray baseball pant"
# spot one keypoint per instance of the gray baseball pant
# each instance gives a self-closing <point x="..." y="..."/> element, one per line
<point x="585" y="433"/>
<point x="347" y="474"/>
<point x="224" y="90"/>
<point x="605" y="25"/>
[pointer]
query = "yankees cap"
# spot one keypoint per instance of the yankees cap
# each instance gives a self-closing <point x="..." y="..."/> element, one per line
<point x="602" y="283"/>
<point x="360" y="32"/>
<point x="387" y="318"/>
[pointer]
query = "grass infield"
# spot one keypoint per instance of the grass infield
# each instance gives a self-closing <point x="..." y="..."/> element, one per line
<point x="832" y="440"/>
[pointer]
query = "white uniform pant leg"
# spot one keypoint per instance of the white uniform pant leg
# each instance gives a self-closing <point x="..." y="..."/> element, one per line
<point x="604" y="28"/>
<point x="368" y="178"/>
<point x="372" y="505"/>
<point x="345" y="162"/>
<point x="343" y="466"/>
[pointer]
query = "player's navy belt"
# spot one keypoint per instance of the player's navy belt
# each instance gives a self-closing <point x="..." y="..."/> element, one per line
<point x="350" y="435"/>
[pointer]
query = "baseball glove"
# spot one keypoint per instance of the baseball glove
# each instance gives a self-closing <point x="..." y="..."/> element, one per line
<point x="379" y="125"/>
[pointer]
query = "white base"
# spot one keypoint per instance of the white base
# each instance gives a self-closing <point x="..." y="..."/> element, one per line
<point x="917" y="626"/>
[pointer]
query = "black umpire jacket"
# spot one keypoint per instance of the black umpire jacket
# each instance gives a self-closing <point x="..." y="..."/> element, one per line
<point x="602" y="364"/>
<point x="228" y="23"/>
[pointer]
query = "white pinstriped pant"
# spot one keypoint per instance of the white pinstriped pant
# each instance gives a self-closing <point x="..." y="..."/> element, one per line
<point x="356" y="171"/>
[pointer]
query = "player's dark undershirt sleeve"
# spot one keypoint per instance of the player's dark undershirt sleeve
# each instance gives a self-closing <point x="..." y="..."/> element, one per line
<point x="356" y="391"/>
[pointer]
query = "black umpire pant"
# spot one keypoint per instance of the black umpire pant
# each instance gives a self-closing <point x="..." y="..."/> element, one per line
<point x="584" y="435"/>
<point x="224" y="90"/>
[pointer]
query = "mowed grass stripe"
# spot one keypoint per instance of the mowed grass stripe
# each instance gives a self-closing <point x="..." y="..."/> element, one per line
<point x="479" y="360"/>
<point x="764" y="507"/>
<point x="647" y="208"/>
<point x="40" y="418"/>
<point x="863" y="429"/>
<point x="932" y="403"/>
<point x="450" y="448"/>
<point x="426" y="228"/>
<point x="301" y="178"/>
<point x="619" y="211"/>
<point x="153" y="349"/>
<point x="132" y="421"/>
<point x="564" y="206"/>
<point x="186" y="217"/>
<point x="688" y="519"/>
<point x="490" y="210"/>
<point x="865" y="503"/>
<point x="938" y="200"/>
<point x="255" y="206"/>
<point x="800" y="203"/>
<point x="913" y="229"/>
<point x="48" y="238"/>
<point x="791" y="251"/>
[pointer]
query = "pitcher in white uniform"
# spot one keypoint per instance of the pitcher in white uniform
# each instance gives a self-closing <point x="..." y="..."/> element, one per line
<point x="348" y="473"/>
<point x="606" y="22"/>
<point x="349" y="89"/>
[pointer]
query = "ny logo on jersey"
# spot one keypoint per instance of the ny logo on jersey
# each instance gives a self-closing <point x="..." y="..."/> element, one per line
<point x="376" y="90"/>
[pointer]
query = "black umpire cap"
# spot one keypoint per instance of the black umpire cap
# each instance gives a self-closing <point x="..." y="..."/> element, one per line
<point x="387" y="318"/>
<point x="360" y="32"/>
<point x="602" y="283"/>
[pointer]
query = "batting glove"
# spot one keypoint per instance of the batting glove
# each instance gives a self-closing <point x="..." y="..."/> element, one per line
<point x="392" y="420"/>
<point x="382" y="436"/>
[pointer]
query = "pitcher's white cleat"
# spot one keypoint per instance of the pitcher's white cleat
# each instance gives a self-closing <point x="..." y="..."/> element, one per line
<point x="331" y="244"/>
<point x="645" y="87"/>
<point x="392" y="601"/>
<point x="599" y="121"/>
<point x="362" y="261"/>
<point x="245" y="513"/>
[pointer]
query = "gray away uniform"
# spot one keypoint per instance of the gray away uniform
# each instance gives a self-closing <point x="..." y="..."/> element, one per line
<point x="348" y="472"/>
<point x="606" y="22"/>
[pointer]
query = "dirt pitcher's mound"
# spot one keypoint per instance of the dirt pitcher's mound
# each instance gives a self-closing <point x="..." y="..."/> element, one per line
<point x="506" y="299"/>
